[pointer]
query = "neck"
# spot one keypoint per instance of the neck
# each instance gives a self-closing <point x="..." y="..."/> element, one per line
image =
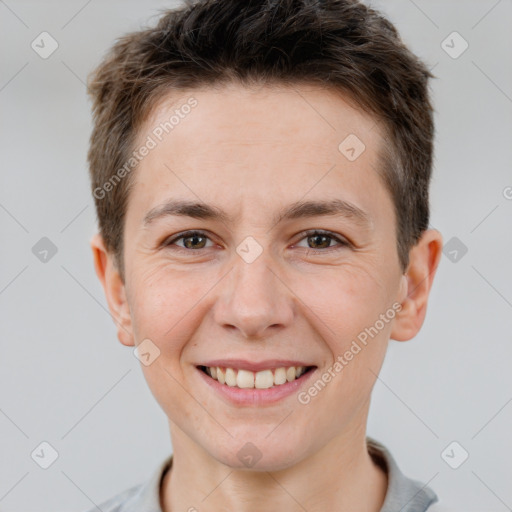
<point x="341" y="476"/>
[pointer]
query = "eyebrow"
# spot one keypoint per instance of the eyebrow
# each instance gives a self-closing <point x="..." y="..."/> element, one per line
<point x="297" y="210"/>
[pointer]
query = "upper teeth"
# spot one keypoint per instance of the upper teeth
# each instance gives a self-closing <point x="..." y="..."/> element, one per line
<point x="259" y="380"/>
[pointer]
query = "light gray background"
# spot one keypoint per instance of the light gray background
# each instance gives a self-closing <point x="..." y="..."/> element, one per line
<point x="65" y="378"/>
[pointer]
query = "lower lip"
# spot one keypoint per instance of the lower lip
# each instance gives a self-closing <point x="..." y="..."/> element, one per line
<point x="253" y="396"/>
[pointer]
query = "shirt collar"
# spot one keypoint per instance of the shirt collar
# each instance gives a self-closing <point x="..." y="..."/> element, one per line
<point x="403" y="493"/>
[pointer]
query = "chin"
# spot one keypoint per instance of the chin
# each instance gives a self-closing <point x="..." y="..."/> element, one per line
<point x="257" y="455"/>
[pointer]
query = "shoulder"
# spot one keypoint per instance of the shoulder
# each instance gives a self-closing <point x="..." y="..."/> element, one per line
<point x="439" y="507"/>
<point x="141" y="497"/>
<point x="120" y="502"/>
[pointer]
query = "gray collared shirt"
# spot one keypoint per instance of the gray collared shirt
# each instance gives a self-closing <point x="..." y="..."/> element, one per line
<point x="403" y="494"/>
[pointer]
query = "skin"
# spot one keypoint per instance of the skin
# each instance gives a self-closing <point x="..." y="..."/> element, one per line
<point x="251" y="152"/>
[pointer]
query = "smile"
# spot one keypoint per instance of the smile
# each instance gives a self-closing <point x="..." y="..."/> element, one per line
<point x="265" y="387"/>
<point x="246" y="379"/>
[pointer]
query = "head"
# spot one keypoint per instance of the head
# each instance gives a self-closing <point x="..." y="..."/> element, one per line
<point x="277" y="119"/>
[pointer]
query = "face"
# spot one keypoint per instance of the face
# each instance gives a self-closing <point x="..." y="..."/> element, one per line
<point x="271" y="282"/>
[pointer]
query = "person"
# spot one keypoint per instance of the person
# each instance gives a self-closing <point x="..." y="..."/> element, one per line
<point x="261" y="175"/>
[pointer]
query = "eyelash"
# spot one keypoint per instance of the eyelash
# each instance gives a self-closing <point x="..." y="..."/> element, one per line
<point x="305" y="234"/>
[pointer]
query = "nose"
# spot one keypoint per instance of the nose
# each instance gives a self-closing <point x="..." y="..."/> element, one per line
<point x="254" y="300"/>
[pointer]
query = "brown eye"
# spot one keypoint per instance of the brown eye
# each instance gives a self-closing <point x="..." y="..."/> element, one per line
<point x="320" y="240"/>
<point x="191" y="240"/>
<point x="194" y="241"/>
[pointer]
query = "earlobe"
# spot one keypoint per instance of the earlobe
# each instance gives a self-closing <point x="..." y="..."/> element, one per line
<point x="114" y="289"/>
<point x="424" y="259"/>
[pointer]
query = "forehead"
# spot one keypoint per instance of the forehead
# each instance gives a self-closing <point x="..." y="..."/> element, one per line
<point x="261" y="114"/>
<point x="294" y="141"/>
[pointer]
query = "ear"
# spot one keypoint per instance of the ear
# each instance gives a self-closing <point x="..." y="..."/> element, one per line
<point x="417" y="282"/>
<point x="114" y="289"/>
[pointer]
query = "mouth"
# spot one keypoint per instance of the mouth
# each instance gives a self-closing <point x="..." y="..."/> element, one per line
<point x="263" y="379"/>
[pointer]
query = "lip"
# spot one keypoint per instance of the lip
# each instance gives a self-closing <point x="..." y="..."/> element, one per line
<point x="243" y="364"/>
<point x="256" y="397"/>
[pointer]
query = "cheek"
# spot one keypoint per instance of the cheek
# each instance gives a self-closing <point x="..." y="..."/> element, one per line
<point x="162" y="299"/>
<point x="346" y="304"/>
<point x="344" y="301"/>
<point x="165" y="311"/>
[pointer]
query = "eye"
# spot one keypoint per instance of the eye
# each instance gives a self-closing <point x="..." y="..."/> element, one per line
<point x="191" y="239"/>
<point x="320" y="240"/>
<point x="317" y="240"/>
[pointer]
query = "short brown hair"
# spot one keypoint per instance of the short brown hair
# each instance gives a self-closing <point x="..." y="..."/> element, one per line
<point x="339" y="44"/>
